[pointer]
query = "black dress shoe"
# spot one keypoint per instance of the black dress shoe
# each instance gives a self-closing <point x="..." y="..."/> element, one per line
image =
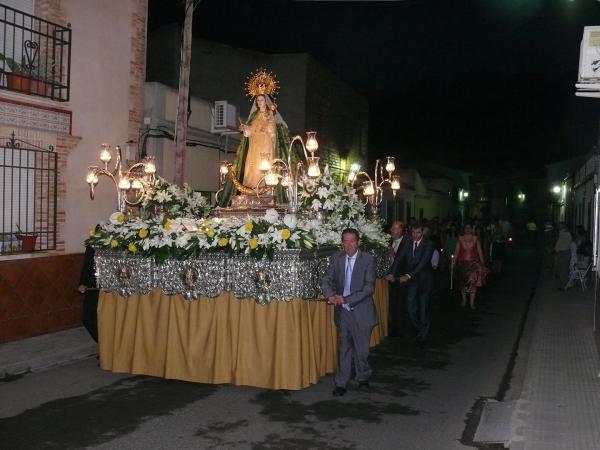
<point x="339" y="391"/>
<point x="364" y="385"/>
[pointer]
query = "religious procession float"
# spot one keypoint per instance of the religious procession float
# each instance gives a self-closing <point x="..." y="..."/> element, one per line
<point x="229" y="293"/>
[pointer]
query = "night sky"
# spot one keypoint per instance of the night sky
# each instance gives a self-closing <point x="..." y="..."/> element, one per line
<point x="484" y="85"/>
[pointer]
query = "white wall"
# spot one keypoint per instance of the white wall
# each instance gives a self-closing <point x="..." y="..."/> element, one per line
<point x="100" y="65"/>
<point x="202" y="161"/>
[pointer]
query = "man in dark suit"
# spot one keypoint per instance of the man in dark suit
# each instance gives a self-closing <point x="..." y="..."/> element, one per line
<point x="87" y="287"/>
<point x="415" y="262"/>
<point x="349" y="284"/>
<point x="397" y="311"/>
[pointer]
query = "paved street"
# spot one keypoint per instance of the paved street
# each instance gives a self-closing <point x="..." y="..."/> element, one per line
<point x="419" y="399"/>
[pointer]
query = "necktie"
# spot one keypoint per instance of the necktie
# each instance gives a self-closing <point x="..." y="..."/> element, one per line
<point x="416" y="244"/>
<point x="348" y="277"/>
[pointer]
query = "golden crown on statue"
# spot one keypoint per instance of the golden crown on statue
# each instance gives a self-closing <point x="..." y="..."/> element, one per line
<point x="262" y="82"/>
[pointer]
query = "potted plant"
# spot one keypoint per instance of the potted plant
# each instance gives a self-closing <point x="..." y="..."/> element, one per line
<point x="27" y="239"/>
<point x="27" y="79"/>
<point x="42" y="79"/>
<point x="17" y="79"/>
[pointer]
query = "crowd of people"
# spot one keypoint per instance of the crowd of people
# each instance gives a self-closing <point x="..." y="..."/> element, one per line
<point x="418" y="251"/>
<point x="465" y="252"/>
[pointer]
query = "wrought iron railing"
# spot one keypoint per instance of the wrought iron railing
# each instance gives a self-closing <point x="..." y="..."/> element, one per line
<point x="28" y="191"/>
<point x="35" y="55"/>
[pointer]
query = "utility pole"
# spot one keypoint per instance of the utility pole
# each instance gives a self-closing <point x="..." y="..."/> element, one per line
<point x="183" y="94"/>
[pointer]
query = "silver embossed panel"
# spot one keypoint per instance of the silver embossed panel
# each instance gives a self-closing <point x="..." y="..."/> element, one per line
<point x="290" y="274"/>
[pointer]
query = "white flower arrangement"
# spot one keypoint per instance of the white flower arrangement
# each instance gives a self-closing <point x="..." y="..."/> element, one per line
<point x="184" y="237"/>
<point x="344" y="210"/>
<point x="163" y="198"/>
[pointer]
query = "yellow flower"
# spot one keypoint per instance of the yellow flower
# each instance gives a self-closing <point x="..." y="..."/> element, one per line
<point x="132" y="248"/>
<point x="167" y="225"/>
<point x="285" y="234"/>
<point x="248" y="227"/>
<point x="120" y="218"/>
<point x="223" y="242"/>
<point x="210" y="233"/>
<point x="252" y="243"/>
<point x="114" y="243"/>
<point x="92" y="232"/>
<point x="143" y="233"/>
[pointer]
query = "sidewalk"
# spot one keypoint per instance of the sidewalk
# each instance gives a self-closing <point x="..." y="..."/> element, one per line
<point x="553" y="401"/>
<point x="558" y="406"/>
<point x="41" y="352"/>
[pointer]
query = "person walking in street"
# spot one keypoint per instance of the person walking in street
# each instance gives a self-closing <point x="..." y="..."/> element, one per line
<point x="397" y="310"/>
<point x="471" y="267"/>
<point x="417" y="276"/>
<point x="88" y="287"/>
<point x="349" y="284"/>
<point x="562" y="256"/>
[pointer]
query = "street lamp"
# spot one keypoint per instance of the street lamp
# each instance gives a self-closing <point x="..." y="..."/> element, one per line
<point x="132" y="181"/>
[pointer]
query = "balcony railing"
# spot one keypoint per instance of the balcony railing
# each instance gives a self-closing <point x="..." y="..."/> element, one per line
<point x="35" y="55"/>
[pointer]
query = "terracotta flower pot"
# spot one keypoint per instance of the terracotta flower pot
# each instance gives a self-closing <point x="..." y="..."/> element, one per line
<point x="27" y="241"/>
<point x="17" y="82"/>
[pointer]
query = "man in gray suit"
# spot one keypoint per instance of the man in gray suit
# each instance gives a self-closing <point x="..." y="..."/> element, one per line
<point x="349" y="284"/>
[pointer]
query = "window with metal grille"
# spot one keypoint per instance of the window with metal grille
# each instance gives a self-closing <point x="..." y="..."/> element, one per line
<point x="28" y="190"/>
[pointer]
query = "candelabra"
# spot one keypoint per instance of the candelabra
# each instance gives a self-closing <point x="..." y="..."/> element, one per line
<point x="131" y="184"/>
<point x="372" y="188"/>
<point x="279" y="172"/>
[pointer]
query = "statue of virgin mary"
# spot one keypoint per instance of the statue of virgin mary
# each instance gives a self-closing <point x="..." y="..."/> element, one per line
<point x="265" y="133"/>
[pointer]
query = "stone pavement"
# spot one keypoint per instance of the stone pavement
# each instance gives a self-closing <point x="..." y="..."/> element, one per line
<point x="554" y="393"/>
<point x="555" y="384"/>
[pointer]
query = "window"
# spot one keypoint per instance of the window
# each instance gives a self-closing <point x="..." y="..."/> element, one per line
<point x="28" y="189"/>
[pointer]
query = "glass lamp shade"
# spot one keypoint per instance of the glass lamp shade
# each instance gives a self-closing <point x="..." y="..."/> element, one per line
<point x="396" y="183"/>
<point x="313" y="167"/>
<point x="124" y="184"/>
<point x="150" y="168"/>
<point x="105" y="155"/>
<point x="265" y="164"/>
<point x="285" y="181"/>
<point x="311" y="141"/>
<point x="271" y="179"/>
<point x="369" y="189"/>
<point x="354" y="167"/>
<point x="390" y="165"/>
<point x="223" y="169"/>
<point x="351" y="176"/>
<point x="136" y="184"/>
<point x="89" y="179"/>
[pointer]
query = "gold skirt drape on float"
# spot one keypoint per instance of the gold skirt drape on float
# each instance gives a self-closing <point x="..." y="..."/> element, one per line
<point x="282" y="345"/>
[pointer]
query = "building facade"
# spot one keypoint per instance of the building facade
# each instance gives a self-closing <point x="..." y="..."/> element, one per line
<point x="76" y="91"/>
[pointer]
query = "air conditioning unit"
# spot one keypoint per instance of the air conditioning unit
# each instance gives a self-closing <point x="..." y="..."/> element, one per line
<point x="588" y="82"/>
<point x="225" y="118"/>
